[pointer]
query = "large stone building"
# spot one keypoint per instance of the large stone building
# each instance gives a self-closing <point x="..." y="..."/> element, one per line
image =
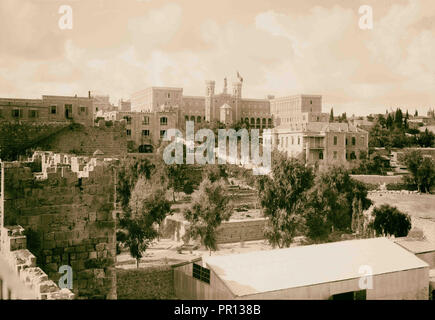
<point x="300" y="128"/>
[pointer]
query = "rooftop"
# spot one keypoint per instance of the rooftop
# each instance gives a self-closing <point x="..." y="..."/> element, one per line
<point x="263" y="271"/>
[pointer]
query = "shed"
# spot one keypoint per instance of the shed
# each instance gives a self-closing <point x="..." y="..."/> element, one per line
<point x="355" y="269"/>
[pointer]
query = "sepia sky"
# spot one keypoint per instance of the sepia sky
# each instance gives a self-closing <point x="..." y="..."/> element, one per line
<point x="280" y="47"/>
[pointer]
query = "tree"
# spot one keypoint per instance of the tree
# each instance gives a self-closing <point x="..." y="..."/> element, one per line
<point x="389" y="220"/>
<point x="331" y="202"/>
<point x="283" y="196"/>
<point x="331" y="115"/>
<point x="147" y="209"/>
<point x="209" y="208"/>
<point x="214" y="172"/>
<point x="422" y="170"/>
<point x="416" y="113"/>
<point x="426" y="139"/>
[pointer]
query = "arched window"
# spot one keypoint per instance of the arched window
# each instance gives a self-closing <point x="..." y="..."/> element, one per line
<point x="192" y="118"/>
<point x="186" y="118"/>
<point x="353" y="141"/>
<point x="252" y="121"/>
<point x="263" y="122"/>
<point x="198" y="119"/>
<point x="270" y="122"/>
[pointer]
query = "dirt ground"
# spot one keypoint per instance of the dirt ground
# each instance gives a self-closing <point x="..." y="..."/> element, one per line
<point x="165" y="252"/>
<point x="417" y="205"/>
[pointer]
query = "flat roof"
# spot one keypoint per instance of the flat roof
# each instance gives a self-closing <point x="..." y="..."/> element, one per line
<point x="272" y="270"/>
<point x="415" y="245"/>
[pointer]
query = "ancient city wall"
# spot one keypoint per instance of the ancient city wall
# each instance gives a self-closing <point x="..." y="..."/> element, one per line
<point x="68" y="221"/>
<point x="145" y="283"/>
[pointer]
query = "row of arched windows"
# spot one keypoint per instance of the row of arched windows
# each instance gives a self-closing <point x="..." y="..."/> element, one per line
<point x="263" y="122"/>
<point x="197" y="119"/>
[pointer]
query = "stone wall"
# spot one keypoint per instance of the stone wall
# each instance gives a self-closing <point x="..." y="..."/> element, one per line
<point x="377" y="179"/>
<point x="68" y="221"/>
<point x="82" y="140"/>
<point x="20" y="277"/>
<point x="229" y="231"/>
<point x="145" y="283"/>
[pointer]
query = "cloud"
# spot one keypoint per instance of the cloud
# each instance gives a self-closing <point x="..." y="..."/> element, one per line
<point x="320" y="50"/>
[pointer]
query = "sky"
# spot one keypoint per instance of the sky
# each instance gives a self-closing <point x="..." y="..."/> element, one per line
<point x="281" y="47"/>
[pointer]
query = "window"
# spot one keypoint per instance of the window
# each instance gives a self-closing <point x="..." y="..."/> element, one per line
<point x="84" y="110"/>
<point x="145" y="133"/>
<point x="252" y="121"/>
<point x="270" y="122"/>
<point x="162" y="133"/>
<point x="128" y="132"/>
<point x="335" y="154"/>
<point x="53" y="109"/>
<point x="311" y="101"/>
<point x="128" y="119"/>
<point x="33" y="113"/>
<point x="320" y="155"/>
<point x="335" y="140"/>
<point x="16" y="113"/>
<point x="146" y="120"/>
<point x="293" y="140"/>
<point x="353" y="141"/>
<point x="263" y="121"/>
<point x="299" y="140"/>
<point x="68" y="111"/>
<point x="169" y="95"/>
<point x="163" y="121"/>
<point x="201" y="273"/>
<point x="286" y="142"/>
<point x="198" y="119"/>
<point x="192" y="118"/>
<point x="352" y="155"/>
<point x="346" y="141"/>
<point x="186" y="118"/>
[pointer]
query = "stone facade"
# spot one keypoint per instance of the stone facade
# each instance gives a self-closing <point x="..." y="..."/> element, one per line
<point x="67" y="212"/>
<point x="146" y="283"/>
<point x="24" y="280"/>
<point x="49" y="109"/>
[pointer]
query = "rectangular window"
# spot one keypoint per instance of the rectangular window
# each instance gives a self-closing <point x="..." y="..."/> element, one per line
<point x="201" y="273"/>
<point x="33" y="113"/>
<point x="163" y="121"/>
<point x="53" y="110"/>
<point x="162" y="133"/>
<point x="128" y="132"/>
<point x="146" y="120"/>
<point x="145" y="133"/>
<point x="16" y="113"/>
<point x="335" y="154"/>
<point x="84" y="110"/>
<point x="128" y="119"/>
<point x="335" y="140"/>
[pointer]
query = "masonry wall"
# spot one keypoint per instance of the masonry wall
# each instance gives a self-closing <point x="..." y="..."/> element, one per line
<point x="68" y="222"/>
<point x="81" y="140"/>
<point x="229" y="231"/>
<point x="145" y="283"/>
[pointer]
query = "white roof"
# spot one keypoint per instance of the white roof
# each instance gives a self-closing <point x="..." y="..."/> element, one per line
<point x="272" y="270"/>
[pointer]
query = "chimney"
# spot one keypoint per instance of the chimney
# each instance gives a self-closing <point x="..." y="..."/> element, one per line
<point x="89" y="94"/>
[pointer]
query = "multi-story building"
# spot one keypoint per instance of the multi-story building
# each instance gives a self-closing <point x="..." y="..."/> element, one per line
<point x="300" y="128"/>
<point x="48" y="109"/>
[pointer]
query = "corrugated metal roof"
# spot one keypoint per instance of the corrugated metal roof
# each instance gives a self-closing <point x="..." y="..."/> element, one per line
<point x="272" y="270"/>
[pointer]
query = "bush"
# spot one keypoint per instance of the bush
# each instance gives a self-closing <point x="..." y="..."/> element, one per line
<point x="391" y="221"/>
